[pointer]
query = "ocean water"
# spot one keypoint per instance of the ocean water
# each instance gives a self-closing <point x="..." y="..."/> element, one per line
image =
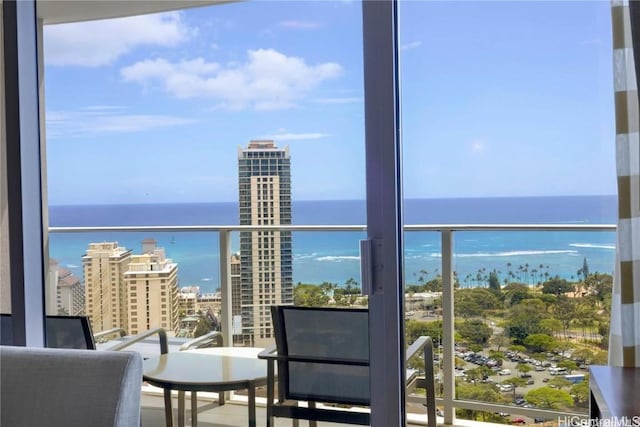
<point x="333" y="256"/>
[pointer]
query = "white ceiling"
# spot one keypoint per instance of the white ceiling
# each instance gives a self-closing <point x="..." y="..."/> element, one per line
<point x="61" y="11"/>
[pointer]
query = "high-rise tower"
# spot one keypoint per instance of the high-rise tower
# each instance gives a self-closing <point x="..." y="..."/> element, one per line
<point x="266" y="274"/>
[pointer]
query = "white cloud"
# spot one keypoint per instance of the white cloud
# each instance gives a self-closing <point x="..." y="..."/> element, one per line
<point x="268" y="80"/>
<point x="98" y="120"/>
<point x="97" y="43"/>
<point x="411" y="45"/>
<point x="288" y="136"/>
<point x="477" y="146"/>
<point x="300" y="25"/>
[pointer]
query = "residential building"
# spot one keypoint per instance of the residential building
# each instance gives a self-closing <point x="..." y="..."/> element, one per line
<point x="51" y="305"/>
<point x="187" y="302"/>
<point x="264" y="178"/>
<point x="236" y="297"/>
<point x="104" y="266"/>
<point x="69" y="294"/>
<point x="152" y="284"/>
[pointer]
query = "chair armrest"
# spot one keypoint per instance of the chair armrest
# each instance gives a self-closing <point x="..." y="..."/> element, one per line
<point x="100" y="335"/>
<point x="269" y="353"/>
<point x="426" y="344"/>
<point x="162" y="334"/>
<point x="419" y="344"/>
<point x="204" y="338"/>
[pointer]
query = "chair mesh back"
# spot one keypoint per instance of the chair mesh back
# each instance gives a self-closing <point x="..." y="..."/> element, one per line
<point x="69" y="332"/>
<point x="6" y="329"/>
<point x="62" y="332"/>
<point x="333" y="334"/>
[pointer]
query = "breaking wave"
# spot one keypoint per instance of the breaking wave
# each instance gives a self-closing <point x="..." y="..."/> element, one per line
<point x="593" y="245"/>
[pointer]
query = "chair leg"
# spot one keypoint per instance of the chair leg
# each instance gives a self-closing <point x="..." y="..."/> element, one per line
<point x="194" y="408"/>
<point x="312" y="423"/>
<point x="270" y="392"/>
<point x="251" y="391"/>
<point x="168" y="412"/>
<point x="181" y="411"/>
<point x="430" y="389"/>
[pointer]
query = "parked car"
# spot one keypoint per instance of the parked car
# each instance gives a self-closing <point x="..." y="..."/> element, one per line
<point x="520" y="401"/>
<point x="504" y="372"/>
<point x="525" y="375"/>
<point x="540" y="368"/>
<point x="530" y="381"/>
<point x="518" y="421"/>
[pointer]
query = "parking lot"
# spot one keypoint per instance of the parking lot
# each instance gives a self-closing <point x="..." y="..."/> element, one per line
<point x="535" y="377"/>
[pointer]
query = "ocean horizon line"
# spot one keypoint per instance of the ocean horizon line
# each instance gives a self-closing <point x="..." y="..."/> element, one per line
<point x="340" y="200"/>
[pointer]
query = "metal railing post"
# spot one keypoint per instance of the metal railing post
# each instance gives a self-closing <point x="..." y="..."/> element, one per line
<point x="226" y="318"/>
<point x="448" y="358"/>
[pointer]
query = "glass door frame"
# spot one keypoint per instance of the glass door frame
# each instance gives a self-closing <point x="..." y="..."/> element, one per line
<point x="383" y="251"/>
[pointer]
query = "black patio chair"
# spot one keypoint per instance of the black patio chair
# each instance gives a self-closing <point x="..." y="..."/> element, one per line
<point x="322" y="356"/>
<point x="62" y="332"/>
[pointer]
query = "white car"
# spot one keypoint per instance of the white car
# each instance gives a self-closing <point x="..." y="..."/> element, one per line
<point x="505" y="372"/>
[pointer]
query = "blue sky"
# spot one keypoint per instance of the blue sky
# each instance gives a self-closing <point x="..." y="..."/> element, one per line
<point x="498" y="99"/>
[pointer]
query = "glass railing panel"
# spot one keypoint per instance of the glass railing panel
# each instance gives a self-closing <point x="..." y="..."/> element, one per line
<point x="137" y="280"/>
<point x="423" y="305"/>
<point x="531" y="313"/>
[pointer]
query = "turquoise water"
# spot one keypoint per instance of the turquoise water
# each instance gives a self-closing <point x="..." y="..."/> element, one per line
<point x="333" y="256"/>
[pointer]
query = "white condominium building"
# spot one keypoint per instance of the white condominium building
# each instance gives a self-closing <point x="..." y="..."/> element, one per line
<point x="152" y="284"/>
<point x="104" y="266"/>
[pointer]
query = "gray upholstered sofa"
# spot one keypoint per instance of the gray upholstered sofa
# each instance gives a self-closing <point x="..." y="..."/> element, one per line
<point x="69" y="388"/>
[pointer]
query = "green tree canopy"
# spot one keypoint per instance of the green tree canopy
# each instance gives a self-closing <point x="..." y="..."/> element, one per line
<point x="523" y="368"/>
<point x="474" y="301"/>
<point x="601" y="285"/>
<point x="580" y="392"/>
<point x="569" y="365"/>
<point x="514" y="293"/>
<point x="540" y="342"/>
<point x="551" y="326"/>
<point x="494" y="281"/>
<point x="549" y="398"/>
<point x="416" y="328"/>
<point x="557" y="286"/>
<point x="474" y="331"/>
<point x="203" y="326"/>
<point x="309" y="296"/>
<point x="524" y="319"/>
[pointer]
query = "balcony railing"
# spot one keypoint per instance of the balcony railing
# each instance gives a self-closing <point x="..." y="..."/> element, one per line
<point x="447" y="233"/>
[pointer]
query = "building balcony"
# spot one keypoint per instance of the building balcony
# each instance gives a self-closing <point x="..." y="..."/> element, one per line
<point x="479" y="378"/>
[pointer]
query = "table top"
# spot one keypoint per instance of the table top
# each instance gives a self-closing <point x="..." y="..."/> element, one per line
<point x="213" y="369"/>
<point x="615" y="390"/>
